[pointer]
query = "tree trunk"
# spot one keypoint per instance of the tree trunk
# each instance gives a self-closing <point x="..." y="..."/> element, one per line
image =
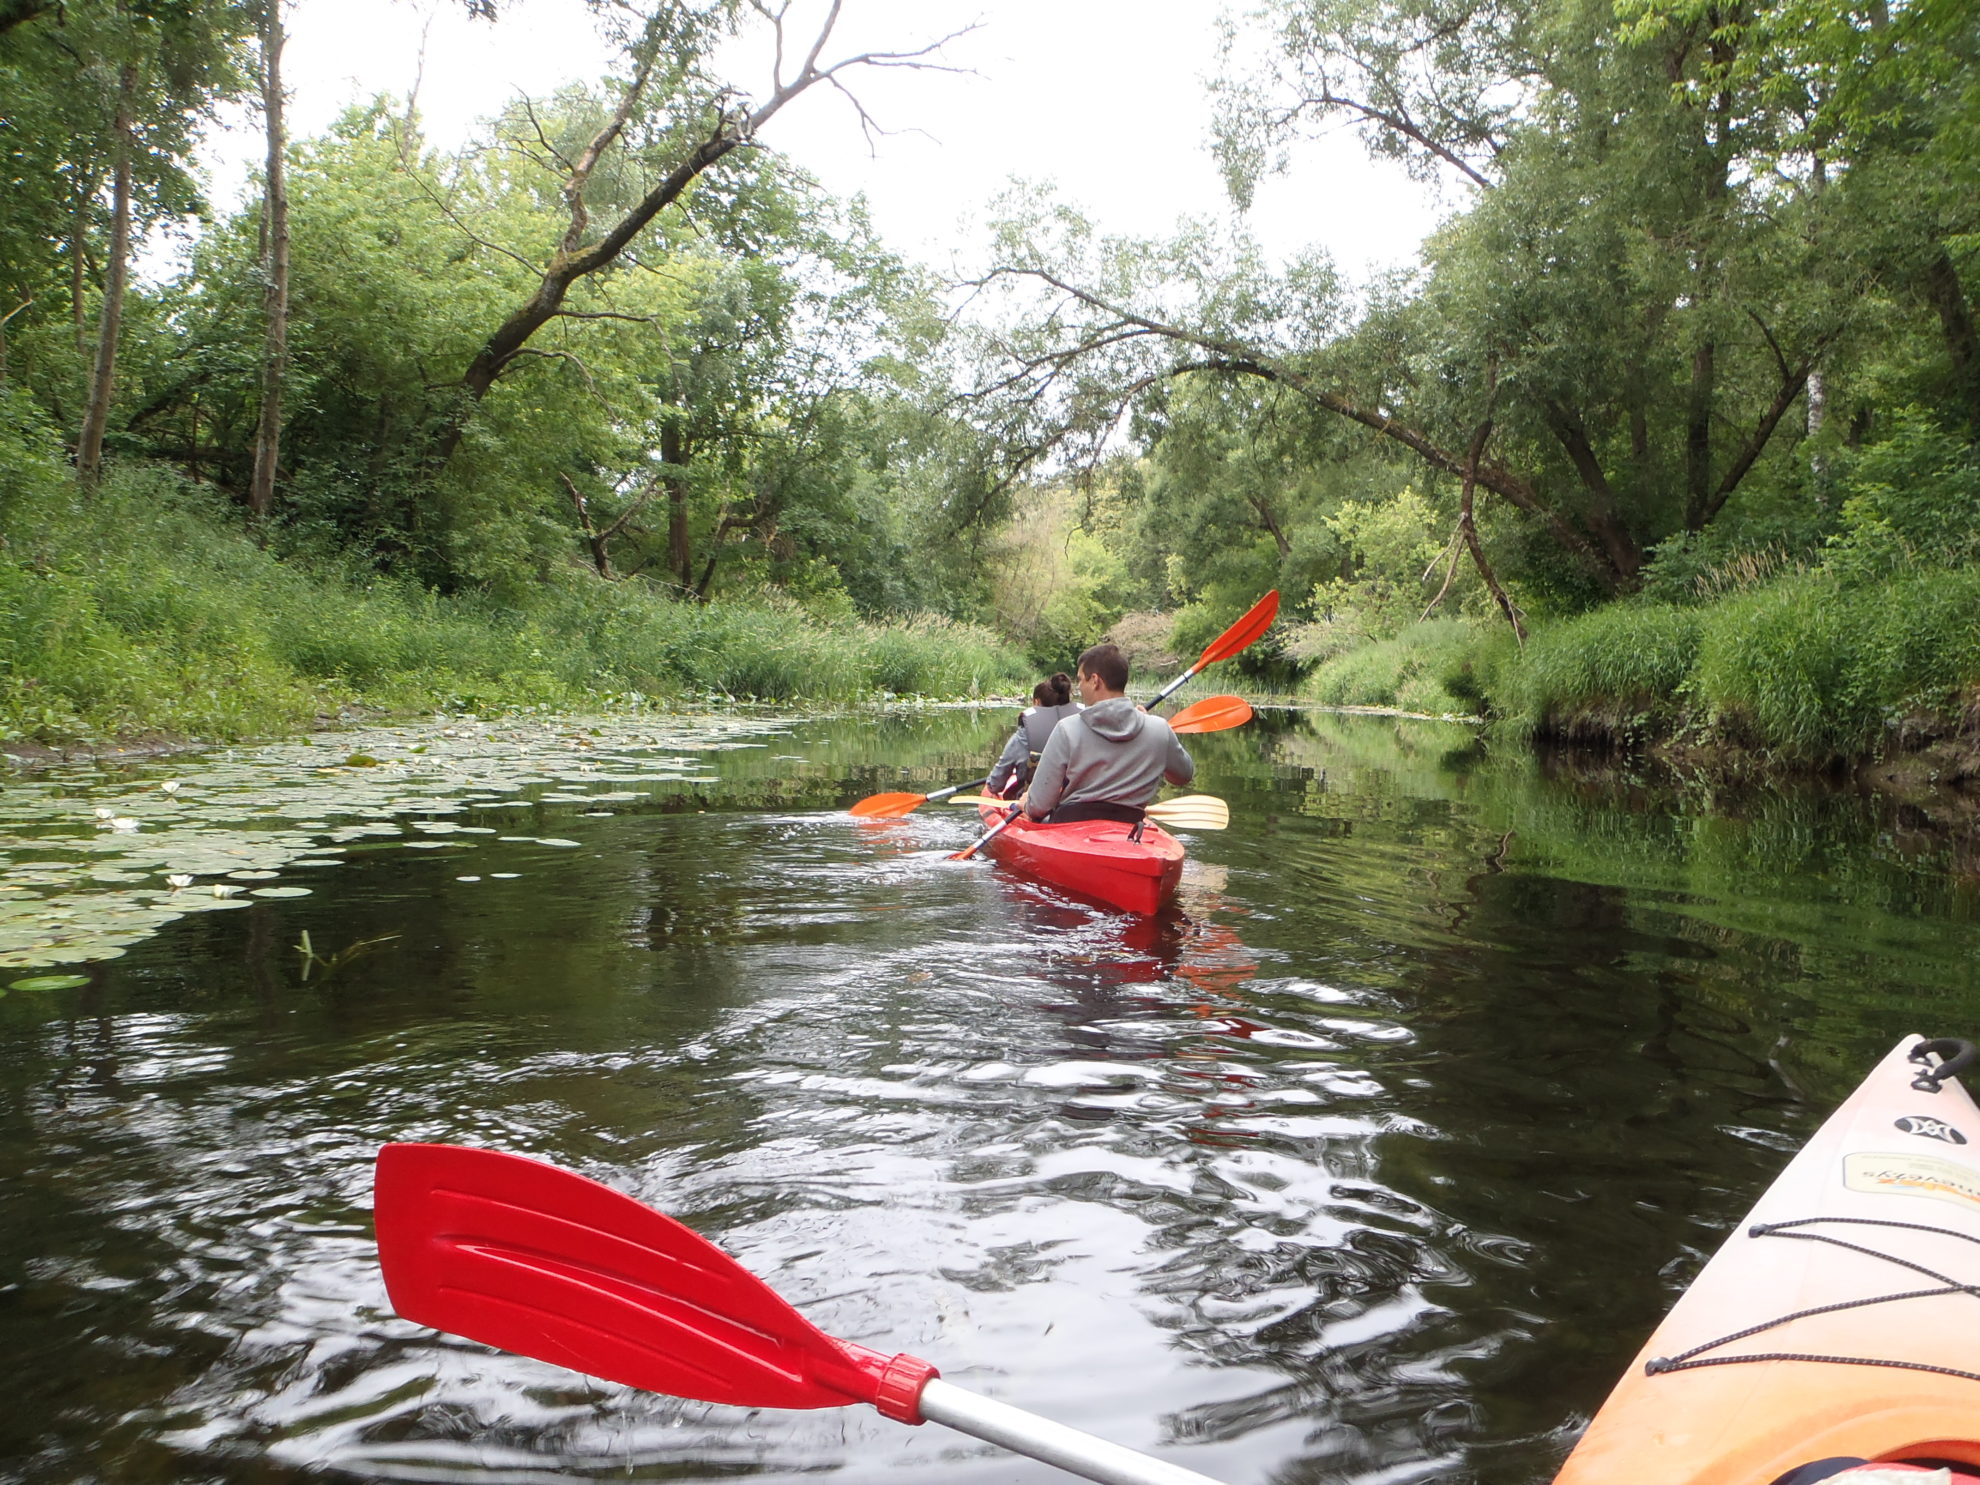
<point x="675" y="451"/>
<point x="1948" y="297"/>
<point x="89" y="444"/>
<point x="1698" y="436"/>
<point x="275" y="266"/>
<point x="1602" y="521"/>
<point x="78" y="281"/>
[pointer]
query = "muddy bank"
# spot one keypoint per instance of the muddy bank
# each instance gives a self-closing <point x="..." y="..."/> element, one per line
<point x="1927" y="772"/>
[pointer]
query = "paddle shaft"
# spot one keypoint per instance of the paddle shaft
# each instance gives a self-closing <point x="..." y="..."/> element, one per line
<point x="958" y="788"/>
<point x="1174" y="686"/>
<point x="989" y="835"/>
<point x="1048" y="1442"/>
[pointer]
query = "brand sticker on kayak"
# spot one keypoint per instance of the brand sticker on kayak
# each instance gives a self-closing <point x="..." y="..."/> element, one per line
<point x="1912" y="1174"/>
<point x="1931" y="1129"/>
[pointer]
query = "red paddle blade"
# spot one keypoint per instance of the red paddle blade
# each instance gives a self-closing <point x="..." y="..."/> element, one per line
<point x="887" y="806"/>
<point x="1255" y="622"/>
<point x="1212" y="714"/>
<point x="536" y="1260"/>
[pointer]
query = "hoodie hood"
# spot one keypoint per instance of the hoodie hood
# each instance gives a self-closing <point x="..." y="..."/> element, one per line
<point x="1117" y="719"/>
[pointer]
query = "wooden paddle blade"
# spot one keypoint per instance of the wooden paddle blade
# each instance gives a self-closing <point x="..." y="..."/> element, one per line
<point x="1191" y="812"/>
<point x="1212" y="714"/>
<point x="886" y="806"/>
<point x="1257" y="619"/>
<point x="536" y="1260"/>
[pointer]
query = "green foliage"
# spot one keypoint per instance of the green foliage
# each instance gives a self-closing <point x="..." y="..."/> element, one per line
<point x="147" y="609"/>
<point x="1629" y="663"/>
<point x="1056" y="582"/>
<point x="1390" y="545"/>
<point x="1422" y="668"/>
<point x="1913" y="498"/>
<point x="1809" y="667"/>
<point x="1814" y="669"/>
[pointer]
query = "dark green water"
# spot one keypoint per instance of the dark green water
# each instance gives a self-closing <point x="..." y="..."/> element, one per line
<point x="1373" y="1162"/>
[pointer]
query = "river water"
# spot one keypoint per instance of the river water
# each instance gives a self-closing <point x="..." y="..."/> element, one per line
<point x="1374" y="1161"/>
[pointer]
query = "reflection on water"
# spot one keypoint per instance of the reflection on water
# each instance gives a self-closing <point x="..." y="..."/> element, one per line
<point x="1373" y="1160"/>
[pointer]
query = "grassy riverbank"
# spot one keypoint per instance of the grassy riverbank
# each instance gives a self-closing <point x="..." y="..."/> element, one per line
<point x="147" y="609"/>
<point x="1811" y="668"/>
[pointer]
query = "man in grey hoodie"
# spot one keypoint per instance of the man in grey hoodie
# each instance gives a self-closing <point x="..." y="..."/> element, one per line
<point x="1107" y="762"/>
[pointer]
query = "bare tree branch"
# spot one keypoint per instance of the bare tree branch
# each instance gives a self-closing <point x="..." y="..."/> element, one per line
<point x="1402" y="125"/>
<point x="732" y="126"/>
<point x="1236" y="358"/>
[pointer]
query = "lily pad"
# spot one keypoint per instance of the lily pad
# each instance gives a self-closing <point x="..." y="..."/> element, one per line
<point x="77" y="889"/>
<point x="49" y="982"/>
<point x="279" y="892"/>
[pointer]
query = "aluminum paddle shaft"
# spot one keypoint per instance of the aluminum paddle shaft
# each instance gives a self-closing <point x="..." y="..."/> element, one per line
<point x="1048" y="1442"/>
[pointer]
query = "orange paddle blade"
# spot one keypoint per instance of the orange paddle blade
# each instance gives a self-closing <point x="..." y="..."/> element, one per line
<point x="1212" y="714"/>
<point x="1255" y="622"/>
<point x="887" y="806"/>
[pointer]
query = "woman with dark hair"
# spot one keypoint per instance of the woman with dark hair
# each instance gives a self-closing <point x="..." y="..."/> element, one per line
<point x="1052" y="703"/>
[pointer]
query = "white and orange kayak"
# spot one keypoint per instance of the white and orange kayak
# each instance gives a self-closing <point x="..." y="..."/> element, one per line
<point x="1839" y="1323"/>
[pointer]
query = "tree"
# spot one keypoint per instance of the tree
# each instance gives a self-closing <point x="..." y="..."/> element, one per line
<point x="98" y="92"/>
<point x="679" y="126"/>
<point x="275" y="301"/>
<point x="1648" y="274"/>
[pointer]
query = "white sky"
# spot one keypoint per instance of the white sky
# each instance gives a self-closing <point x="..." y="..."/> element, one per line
<point x="1105" y="98"/>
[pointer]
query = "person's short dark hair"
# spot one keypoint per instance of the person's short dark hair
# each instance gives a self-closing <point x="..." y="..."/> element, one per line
<point x="1107" y="664"/>
<point x="1054" y="690"/>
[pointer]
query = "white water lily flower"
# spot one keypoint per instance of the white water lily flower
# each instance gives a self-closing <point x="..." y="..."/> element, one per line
<point x="176" y="880"/>
<point x="170" y="786"/>
<point x="103" y="812"/>
<point x="224" y="889"/>
<point x="123" y="822"/>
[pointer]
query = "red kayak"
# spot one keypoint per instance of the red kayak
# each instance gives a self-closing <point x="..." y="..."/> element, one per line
<point x="1094" y="858"/>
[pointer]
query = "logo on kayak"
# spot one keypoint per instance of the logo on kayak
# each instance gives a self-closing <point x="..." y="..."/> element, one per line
<point x="1932" y="1129"/>
<point x="1912" y="1174"/>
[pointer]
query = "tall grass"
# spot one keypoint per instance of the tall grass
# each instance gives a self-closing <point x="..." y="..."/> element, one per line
<point x="1625" y="668"/>
<point x="147" y="609"/>
<point x="1815" y="669"/>
<point x="1810" y="667"/>
<point x="1424" y="668"/>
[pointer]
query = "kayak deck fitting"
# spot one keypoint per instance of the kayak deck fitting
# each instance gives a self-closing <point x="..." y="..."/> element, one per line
<point x="1097" y="859"/>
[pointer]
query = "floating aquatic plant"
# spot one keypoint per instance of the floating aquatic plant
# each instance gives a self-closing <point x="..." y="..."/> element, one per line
<point x="82" y="847"/>
<point x="49" y="982"/>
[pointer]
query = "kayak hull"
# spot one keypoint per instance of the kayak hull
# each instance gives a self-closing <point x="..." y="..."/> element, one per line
<point x="1093" y="858"/>
<point x="1896" y="1171"/>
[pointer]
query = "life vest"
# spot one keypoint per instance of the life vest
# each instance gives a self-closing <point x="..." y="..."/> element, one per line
<point x="1036" y="724"/>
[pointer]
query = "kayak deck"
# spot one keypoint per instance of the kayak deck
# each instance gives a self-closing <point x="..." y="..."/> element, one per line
<point x="1837" y="1320"/>
<point x="1094" y="858"/>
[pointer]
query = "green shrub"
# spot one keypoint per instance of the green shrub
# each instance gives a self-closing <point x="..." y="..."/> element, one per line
<point x="1913" y="498"/>
<point x="1414" y="671"/>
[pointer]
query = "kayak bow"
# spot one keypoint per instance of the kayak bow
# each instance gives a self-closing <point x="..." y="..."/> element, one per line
<point x="1834" y="1324"/>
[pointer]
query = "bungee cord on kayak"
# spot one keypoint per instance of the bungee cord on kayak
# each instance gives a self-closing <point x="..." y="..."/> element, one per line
<point x="1695" y="1357"/>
